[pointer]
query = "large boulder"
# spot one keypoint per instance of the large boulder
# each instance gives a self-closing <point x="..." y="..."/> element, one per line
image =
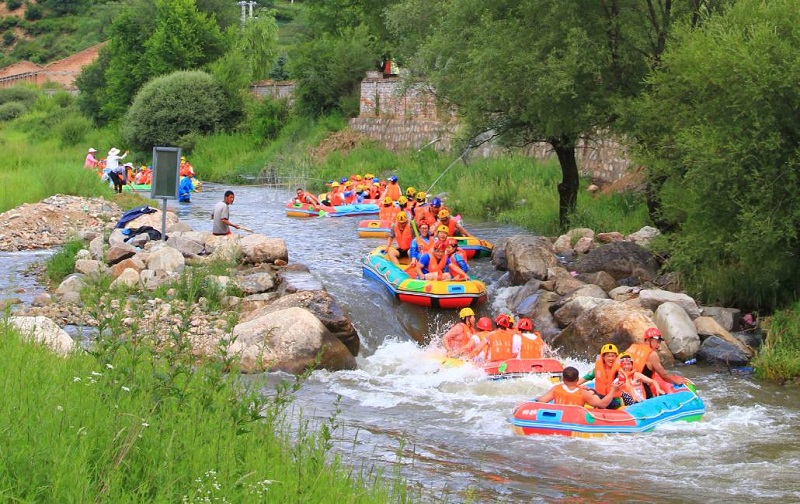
<point x="190" y="244"/>
<point x="708" y="326"/>
<point x="678" y="330"/>
<point x="118" y="252"/>
<point x="499" y="260"/>
<point x="620" y="260"/>
<point x="298" y="280"/>
<point x="644" y="236"/>
<point x="323" y="306"/>
<point x="653" y="298"/>
<point x="729" y="318"/>
<point x="288" y="340"/>
<point x="718" y="351"/>
<point x="166" y="259"/>
<point x="257" y="248"/>
<point x="538" y="308"/>
<point x="528" y="257"/>
<point x="134" y="263"/>
<point x="605" y="322"/>
<point x="255" y="283"/>
<point x="89" y="267"/>
<point x="43" y="331"/>
<point x="128" y="278"/>
<point x="72" y="283"/>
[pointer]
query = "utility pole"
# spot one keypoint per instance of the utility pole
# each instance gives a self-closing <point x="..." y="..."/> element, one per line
<point x="244" y="4"/>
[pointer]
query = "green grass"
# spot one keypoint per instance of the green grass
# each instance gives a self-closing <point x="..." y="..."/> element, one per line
<point x="778" y="359"/>
<point x="62" y="263"/>
<point x="130" y="424"/>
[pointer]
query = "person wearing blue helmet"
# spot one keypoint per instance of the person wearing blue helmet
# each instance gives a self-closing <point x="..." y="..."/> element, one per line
<point x="431" y="213"/>
<point x="392" y="189"/>
<point x="343" y="180"/>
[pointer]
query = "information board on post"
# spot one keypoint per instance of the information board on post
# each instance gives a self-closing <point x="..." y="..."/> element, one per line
<point x="166" y="178"/>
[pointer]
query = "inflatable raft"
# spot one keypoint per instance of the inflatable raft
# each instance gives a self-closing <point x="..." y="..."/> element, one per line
<point x="682" y="403"/>
<point x="374" y="228"/>
<point x="308" y="210"/>
<point x="474" y="247"/>
<point x="428" y="293"/>
<point x="512" y="368"/>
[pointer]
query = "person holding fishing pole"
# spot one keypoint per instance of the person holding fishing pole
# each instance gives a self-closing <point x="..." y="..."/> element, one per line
<point x="221" y="215"/>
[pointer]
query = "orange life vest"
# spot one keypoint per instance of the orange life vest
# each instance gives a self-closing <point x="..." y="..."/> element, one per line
<point x="604" y="376"/>
<point x="403" y="236"/>
<point x="424" y="246"/>
<point x="393" y="191"/>
<point x="639" y="352"/>
<point x="458" y="335"/>
<point x="388" y="213"/>
<point x="634" y="387"/>
<point x="500" y="344"/>
<point x="531" y="347"/>
<point x="451" y="225"/>
<point x="563" y="395"/>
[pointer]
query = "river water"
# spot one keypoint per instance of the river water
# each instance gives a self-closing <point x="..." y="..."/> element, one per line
<point x="448" y="428"/>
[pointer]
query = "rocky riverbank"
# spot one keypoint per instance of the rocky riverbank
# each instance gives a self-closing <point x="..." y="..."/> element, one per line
<point x="583" y="290"/>
<point x="255" y="305"/>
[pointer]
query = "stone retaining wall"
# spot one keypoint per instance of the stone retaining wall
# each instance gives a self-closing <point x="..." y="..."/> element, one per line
<point x="409" y="118"/>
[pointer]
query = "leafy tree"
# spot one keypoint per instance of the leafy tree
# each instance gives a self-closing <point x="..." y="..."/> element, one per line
<point x="328" y="71"/>
<point x="718" y="128"/>
<point x="172" y="106"/>
<point x="91" y="83"/>
<point x="258" y="44"/>
<point x="33" y="12"/>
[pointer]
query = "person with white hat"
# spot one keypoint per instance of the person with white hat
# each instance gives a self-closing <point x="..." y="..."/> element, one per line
<point x="116" y="172"/>
<point x="91" y="162"/>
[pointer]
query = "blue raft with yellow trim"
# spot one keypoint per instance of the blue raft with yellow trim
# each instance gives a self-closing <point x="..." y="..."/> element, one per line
<point x="681" y="403"/>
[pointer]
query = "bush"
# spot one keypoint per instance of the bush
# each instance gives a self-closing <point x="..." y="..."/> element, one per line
<point x="72" y="131"/>
<point x="9" y="38"/>
<point x="33" y="12"/>
<point x="171" y="106"/>
<point x="10" y="110"/>
<point x="8" y="22"/>
<point x="62" y="263"/>
<point x="13" y="5"/>
<point x="778" y="359"/>
<point x="23" y="94"/>
<point x="267" y="117"/>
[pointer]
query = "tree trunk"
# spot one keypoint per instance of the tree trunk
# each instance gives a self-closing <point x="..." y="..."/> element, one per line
<point x="570" y="181"/>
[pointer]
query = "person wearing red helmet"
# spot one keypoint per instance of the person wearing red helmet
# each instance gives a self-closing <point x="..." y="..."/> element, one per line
<point x="531" y="342"/>
<point x="647" y="361"/>
<point x="503" y="340"/>
<point x="481" y="339"/>
<point x="430" y="266"/>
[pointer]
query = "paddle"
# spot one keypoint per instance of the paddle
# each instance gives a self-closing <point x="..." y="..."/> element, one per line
<point x="245" y="229"/>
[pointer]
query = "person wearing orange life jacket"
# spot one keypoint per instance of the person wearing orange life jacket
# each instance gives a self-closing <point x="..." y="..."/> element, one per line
<point x="422" y="244"/>
<point x="402" y="204"/>
<point x="335" y="197"/>
<point x="430" y="266"/>
<point x="402" y="233"/>
<point x="458" y="340"/>
<point x="501" y="340"/>
<point x="303" y="197"/>
<point x="455" y="263"/>
<point x="480" y="340"/>
<point x="388" y="210"/>
<point x="441" y="235"/>
<point x="633" y="388"/>
<point x="647" y="361"/>
<point x="430" y="215"/>
<point x="606" y="370"/>
<point x="531" y="343"/>
<point x="374" y="191"/>
<point x="454" y="227"/>
<point x="568" y="392"/>
<point x="392" y="189"/>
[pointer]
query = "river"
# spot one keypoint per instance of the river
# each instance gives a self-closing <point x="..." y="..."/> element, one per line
<point x="448" y="427"/>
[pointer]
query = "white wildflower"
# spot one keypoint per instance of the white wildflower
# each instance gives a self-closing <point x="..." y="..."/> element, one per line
<point x="95" y="373"/>
<point x="76" y="379"/>
<point x="109" y="366"/>
<point x="126" y="389"/>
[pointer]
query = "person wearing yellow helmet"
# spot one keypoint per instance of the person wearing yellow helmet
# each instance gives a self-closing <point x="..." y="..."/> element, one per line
<point x="336" y="196"/>
<point x="454" y="227"/>
<point x="441" y="235"/>
<point x="410" y="192"/>
<point x="402" y="233"/>
<point x="633" y="382"/>
<point x="430" y="266"/>
<point x="458" y="341"/>
<point x="387" y="211"/>
<point x="605" y="371"/>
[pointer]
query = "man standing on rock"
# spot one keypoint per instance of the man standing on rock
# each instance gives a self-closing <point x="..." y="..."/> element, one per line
<point x="222" y="226"/>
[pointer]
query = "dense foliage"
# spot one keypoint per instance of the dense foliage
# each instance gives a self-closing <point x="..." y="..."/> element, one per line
<point x="719" y="134"/>
<point x="173" y="106"/>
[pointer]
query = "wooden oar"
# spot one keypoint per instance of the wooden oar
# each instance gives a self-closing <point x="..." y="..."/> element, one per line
<point x="245" y="229"/>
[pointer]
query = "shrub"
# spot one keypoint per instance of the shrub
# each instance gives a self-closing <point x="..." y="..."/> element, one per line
<point x="267" y="117"/>
<point x="24" y="94"/>
<point x="62" y="263"/>
<point x="10" y="110"/>
<point x="9" y="38"/>
<point x="72" y="131"/>
<point x="13" y="5"/>
<point x="169" y="107"/>
<point x="8" y="22"/>
<point x="33" y="12"/>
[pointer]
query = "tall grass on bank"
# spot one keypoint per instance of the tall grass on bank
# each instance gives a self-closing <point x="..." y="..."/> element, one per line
<point x="778" y="359"/>
<point x="511" y="189"/>
<point x="129" y="424"/>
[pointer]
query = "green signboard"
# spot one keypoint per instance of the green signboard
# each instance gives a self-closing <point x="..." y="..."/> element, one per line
<point x="166" y="172"/>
